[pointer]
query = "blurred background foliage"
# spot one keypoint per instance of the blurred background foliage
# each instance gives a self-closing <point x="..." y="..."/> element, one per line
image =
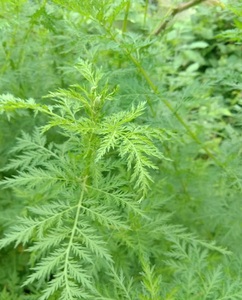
<point x="196" y="65"/>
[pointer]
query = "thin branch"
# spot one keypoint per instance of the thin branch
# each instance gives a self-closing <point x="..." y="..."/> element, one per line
<point x="175" y="11"/>
<point x="126" y="14"/>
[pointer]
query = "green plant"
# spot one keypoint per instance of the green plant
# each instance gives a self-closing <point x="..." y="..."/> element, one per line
<point x="127" y="171"/>
<point x="85" y="192"/>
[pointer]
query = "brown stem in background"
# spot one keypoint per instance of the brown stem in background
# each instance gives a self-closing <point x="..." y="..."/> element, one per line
<point x="176" y="11"/>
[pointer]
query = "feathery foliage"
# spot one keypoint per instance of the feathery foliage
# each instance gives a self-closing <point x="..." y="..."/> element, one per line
<point x="120" y="150"/>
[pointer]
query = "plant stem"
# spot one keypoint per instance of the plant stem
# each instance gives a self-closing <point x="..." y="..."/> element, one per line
<point x="125" y="21"/>
<point x="174" y="12"/>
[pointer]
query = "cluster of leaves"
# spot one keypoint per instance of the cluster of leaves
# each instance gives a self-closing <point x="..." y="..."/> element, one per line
<point x="117" y="183"/>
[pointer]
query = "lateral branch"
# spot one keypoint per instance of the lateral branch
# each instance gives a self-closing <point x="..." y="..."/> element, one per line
<point x="175" y="11"/>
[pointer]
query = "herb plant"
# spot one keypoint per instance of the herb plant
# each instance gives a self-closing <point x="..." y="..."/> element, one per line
<point x="120" y="151"/>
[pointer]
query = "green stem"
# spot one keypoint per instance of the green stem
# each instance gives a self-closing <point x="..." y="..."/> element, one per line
<point x="154" y="88"/>
<point x="126" y="15"/>
<point x="71" y="240"/>
<point x="146" y="11"/>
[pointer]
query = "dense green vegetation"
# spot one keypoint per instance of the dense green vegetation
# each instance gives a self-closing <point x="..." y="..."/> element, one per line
<point x="120" y="148"/>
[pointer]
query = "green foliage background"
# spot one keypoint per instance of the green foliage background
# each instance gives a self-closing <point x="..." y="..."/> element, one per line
<point x="120" y="151"/>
